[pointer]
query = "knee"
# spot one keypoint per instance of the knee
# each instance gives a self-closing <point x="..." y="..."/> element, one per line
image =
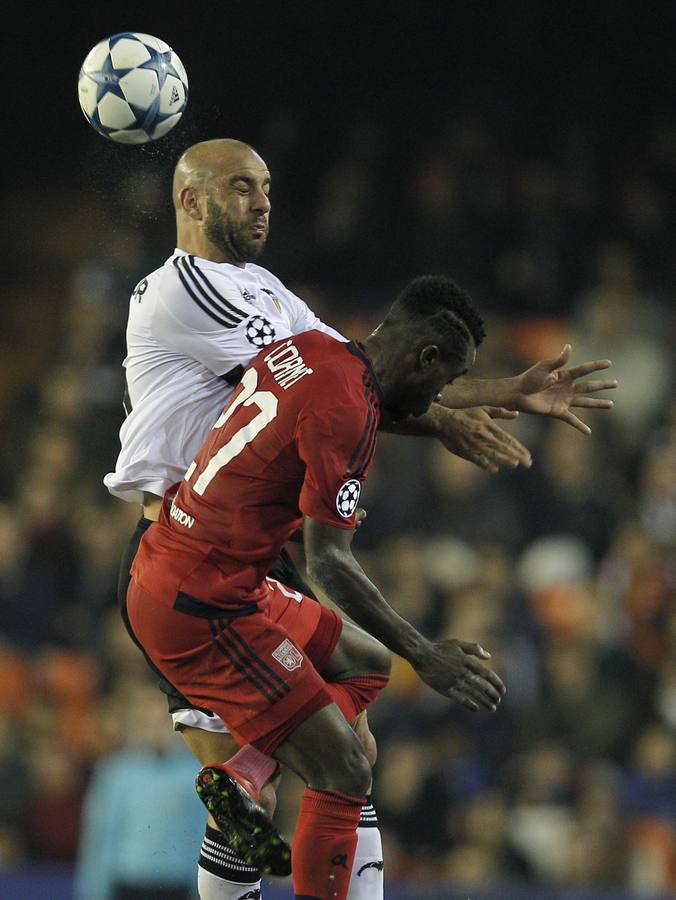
<point x="358" y="653"/>
<point x="349" y="771"/>
<point x="357" y="773"/>
<point x="378" y="658"/>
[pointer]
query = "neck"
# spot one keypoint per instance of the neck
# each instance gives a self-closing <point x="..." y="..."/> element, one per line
<point x="198" y="244"/>
<point x="383" y="359"/>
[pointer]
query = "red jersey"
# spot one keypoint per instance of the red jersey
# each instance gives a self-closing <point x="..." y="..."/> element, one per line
<point x="296" y="438"/>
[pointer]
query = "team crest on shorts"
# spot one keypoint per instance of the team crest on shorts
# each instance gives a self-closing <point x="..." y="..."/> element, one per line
<point x="348" y="497"/>
<point x="288" y="656"/>
<point x="259" y="331"/>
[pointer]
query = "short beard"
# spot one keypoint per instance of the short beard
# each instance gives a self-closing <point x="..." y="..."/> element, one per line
<point x="230" y="240"/>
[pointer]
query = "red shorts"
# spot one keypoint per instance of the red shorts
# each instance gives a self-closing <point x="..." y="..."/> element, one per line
<point x="258" y="672"/>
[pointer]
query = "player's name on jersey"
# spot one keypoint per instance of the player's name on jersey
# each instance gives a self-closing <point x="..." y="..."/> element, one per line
<point x="287" y="365"/>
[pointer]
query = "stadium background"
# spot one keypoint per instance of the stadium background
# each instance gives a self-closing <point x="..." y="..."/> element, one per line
<point x="527" y="148"/>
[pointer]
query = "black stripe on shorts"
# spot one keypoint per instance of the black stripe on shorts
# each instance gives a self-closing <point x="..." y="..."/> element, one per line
<point x="245" y="666"/>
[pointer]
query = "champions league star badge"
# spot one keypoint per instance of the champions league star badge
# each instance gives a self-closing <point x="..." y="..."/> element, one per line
<point x="259" y="331"/>
<point x="348" y="497"/>
<point x="288" y="656"/>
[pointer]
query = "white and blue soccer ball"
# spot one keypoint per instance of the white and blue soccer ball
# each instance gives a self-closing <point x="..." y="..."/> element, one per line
<point x="133" y="88"/>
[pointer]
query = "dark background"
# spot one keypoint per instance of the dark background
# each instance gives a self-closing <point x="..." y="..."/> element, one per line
<point x="588" y="88"/>
<point x="526" y="148"/>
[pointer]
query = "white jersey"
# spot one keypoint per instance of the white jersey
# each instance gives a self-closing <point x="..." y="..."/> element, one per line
<point x="193" y="326"/>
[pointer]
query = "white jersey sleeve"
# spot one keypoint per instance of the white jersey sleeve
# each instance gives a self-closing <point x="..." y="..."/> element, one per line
<point x="194" y="325"/>
<point x="301" y="316"/>
<point x="204" y="318"/>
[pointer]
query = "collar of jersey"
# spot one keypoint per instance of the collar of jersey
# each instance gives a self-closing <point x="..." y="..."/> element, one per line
<point x="357" y="349"/>
<point x="206" y="263"/>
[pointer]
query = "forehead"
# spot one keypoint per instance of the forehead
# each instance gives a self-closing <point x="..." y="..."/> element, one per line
<point x="245" y="163"/>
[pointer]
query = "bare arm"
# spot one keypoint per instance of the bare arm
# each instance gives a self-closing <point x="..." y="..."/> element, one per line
<point x="469" y="433"/>
<point x="468" y="392"/>
<point x="450" y="667"/>
<point x="463" y="420"/>
<point x="545" y="389"/>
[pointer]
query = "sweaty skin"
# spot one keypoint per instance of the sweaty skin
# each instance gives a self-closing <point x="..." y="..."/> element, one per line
<point x="220" y="195"/>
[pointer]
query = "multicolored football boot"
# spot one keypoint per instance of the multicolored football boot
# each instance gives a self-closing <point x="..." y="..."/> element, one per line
<point x="242" y="822"/>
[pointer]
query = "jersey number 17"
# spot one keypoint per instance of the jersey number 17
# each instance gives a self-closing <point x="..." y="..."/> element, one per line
<point x="248" y="396"/>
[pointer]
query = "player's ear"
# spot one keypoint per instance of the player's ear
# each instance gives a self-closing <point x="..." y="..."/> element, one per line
<point x="429" y="356"/>
<point x="189" y="202"/>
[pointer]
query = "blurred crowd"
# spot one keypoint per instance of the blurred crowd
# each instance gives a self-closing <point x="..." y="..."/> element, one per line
<point x="566" y="572"/>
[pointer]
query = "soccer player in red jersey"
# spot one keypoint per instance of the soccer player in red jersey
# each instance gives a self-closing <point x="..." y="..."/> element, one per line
<point x="194" y="324"/>
<point x="292" y="448"/>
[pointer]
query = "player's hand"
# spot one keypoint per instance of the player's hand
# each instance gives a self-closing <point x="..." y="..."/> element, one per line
<point x="452" y="669"/>
<point x="473" y="435"/>
<point x="548" y="389"/>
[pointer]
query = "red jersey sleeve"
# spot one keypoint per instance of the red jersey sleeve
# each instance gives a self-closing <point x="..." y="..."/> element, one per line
<point x="336" y="438"/>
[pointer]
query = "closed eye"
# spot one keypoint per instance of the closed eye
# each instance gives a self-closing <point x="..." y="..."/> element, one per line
<point x="243" y="184"/>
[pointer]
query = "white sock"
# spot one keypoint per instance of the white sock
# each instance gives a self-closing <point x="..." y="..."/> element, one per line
<point x="366" y="881"/>
<point x="211" y="887"/>
<point x="222" y="875"/>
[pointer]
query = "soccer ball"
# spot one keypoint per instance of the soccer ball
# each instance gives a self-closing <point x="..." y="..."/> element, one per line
<point x="132" y="88"/>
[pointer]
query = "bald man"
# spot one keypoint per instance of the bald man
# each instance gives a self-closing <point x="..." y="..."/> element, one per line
<point x="221" y="197"/>
<point x="194" y="325"/>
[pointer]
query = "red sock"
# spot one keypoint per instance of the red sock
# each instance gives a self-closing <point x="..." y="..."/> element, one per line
<point x="324" y="844"/>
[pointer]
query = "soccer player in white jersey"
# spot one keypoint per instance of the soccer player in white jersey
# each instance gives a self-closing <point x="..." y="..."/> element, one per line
<point x="194" y="324"/>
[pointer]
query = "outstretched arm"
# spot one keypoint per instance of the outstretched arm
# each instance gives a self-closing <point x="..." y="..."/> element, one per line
<point x="545" y="389"/>
<point x="450" y="667"/>
<point x="471" y="434"/>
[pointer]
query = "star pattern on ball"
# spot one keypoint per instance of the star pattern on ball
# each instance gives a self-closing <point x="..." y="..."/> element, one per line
<point x="132" y="88"/>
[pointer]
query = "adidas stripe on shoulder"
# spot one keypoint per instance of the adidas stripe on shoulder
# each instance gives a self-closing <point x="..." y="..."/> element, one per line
<point x="205" y="294"/>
